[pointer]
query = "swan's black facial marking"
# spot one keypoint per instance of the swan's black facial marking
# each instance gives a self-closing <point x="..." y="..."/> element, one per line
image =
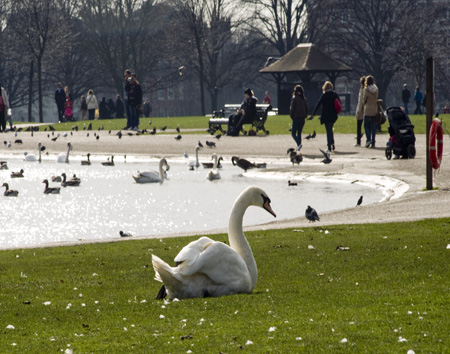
<point x="265" y="199"/>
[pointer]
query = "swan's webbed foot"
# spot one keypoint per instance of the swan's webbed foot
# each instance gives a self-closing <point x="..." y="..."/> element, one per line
<point x="162" y="293"/>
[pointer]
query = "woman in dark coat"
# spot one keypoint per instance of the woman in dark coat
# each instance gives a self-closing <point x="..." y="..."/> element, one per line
<point x="329" y="115"/>
<point x="246" y="113"/>
<point x="298" y="113"/>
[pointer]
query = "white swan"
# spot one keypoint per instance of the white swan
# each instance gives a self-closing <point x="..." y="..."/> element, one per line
<point x="64" y="157"/>
<point x="214" y="172"/>
<point x="153" y="176"/>
<point x="210" y="268"/>
<point x="194" y="163"/>
<point x="32" y="157"/>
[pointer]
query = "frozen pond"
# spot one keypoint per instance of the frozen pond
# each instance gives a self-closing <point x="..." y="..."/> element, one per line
<point x="108" y="200"/>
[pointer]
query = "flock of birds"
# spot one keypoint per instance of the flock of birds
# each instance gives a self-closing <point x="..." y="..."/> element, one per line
<point x="204" y="268"/>
<point x="149" y="176"/>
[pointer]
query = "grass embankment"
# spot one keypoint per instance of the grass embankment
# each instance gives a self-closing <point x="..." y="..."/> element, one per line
<point x="275" y="124"/>
<point x="387" y="294"/>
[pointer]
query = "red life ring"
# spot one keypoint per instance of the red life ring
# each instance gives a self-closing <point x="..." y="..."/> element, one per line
<point x="436" y="133"/>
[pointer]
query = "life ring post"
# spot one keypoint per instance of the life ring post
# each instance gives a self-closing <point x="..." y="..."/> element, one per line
<point x="429" y="117"/>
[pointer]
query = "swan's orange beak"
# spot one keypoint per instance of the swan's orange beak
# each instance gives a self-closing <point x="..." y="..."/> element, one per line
<point x="267" y="206"/>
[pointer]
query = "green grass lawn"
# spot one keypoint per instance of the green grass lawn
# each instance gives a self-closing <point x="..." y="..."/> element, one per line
<point x="275" y="124"/>
<point x="388" y="293"/>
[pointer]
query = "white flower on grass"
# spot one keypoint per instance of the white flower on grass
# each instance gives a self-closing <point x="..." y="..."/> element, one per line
<point x="83" y="305"/>
<point x="236" y="312"/>
<point x="143" y="301"/>
<point x="69" y="305"/>
<point x="343" y="340"/>
<point x="52" y="339"/>
<point x="311" y="247"/>
<point x="401" y="339"/>
<point x="162" y="316"/>
<point x="249" y="342"/>
<point x="409" y="312"/>
<point x="327" y="232"/>
<point x="96" y="302"/>
<point x="68" y="351"/>
<point x="14" y="344"/>
<point x="298" y="338"/>
<point x="10" y="327"/>
<point x="272" y="329"/>
<point x="47" y="303"/>
<point x="80" y="295"/>
<point x="125" y="329"/>
<point x="410" y="352"/>
<point x="448" y="246"/>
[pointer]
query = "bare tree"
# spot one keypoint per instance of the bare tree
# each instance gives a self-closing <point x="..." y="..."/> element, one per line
<point x="283" y="23"/>
<point x="120" y="35"/>
<point x="215" y="45"/>
<point x="40" y="27"/>
<point x="372" y="35"/>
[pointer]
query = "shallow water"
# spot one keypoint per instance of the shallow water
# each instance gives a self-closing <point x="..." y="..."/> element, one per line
<point x="108" y="200"/>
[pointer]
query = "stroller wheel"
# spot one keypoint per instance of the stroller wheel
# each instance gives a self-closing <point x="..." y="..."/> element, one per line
<point x="411" y="151"/>
<point x="388" y="153"/>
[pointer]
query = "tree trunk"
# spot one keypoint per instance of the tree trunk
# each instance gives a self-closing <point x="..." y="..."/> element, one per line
<point x="30" y="91"/>
<point x="39" y="68"/>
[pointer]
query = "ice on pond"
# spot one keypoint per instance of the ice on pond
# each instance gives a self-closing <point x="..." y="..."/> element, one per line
<point x="109" y="200"/>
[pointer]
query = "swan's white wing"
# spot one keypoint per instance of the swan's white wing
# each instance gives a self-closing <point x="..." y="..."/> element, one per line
<point x="149" y="174"/>
<point x="213" y="174"/>
<point x="190" y="252"/>
<point x="30" y="157"/>
<point x="61" y="157"/>
<point x="220" y="263"/>
<point x="147" y="177"/>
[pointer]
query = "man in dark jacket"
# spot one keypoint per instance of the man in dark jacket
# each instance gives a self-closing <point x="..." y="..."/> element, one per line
<point x="406" y="95"/>
<point x="60" y="100"/>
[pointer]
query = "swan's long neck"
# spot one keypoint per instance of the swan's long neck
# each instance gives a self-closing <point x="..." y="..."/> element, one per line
<point x="161" y="172"/>
<point x="215" y="161"/>
<point x="237" y="239"/>
<point x="39" y="148"/>
<point x="67" y="155"/>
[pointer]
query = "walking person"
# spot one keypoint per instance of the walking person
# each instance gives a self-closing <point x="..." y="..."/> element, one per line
<point x="360" y="111"/>
<point x="406" y="95"/>
<point x="298" y="113"/>
<point x="60" y="100"/>
<point x="83" y="108"/>
<point x="92" y="104"/>
<point x="4" y="106"/>
<point x="418" y="98"/>
<point x="329" y="114"/>
<point x="134" y="100"/>
<point x="370" y="99"/>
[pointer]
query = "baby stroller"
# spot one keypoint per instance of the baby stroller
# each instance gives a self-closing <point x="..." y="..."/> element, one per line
<point x="402" y="139"/>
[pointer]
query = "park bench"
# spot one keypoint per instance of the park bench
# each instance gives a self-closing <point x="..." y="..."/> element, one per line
<point x="220" y="118"/>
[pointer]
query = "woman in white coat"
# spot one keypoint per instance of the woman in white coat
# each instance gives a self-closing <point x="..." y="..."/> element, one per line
<point x="92" y="104"/>
<point x="360" y="111"/>
<point x="370" y="111"/>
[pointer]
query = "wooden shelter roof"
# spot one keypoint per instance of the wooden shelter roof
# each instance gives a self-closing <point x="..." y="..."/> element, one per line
<point x="305" y="58"/>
